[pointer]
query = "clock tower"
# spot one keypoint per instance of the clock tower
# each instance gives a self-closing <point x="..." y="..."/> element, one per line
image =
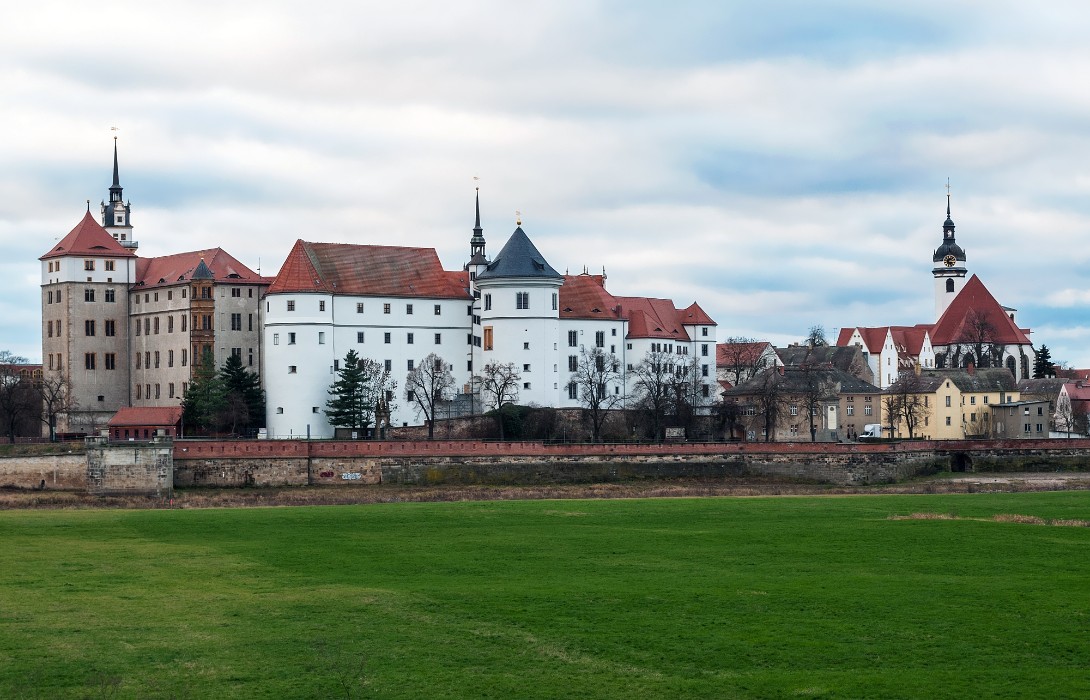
<point x="949" y="265"/>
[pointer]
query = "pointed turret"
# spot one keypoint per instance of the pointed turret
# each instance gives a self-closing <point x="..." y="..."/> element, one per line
<point x="476" y="242"/>
<point x="115" y="214"/>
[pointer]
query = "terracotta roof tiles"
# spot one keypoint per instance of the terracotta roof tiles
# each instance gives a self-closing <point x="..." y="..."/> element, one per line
<point x="90" y="239"/>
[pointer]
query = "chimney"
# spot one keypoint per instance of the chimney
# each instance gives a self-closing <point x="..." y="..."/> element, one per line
<point x="970" y="369"/>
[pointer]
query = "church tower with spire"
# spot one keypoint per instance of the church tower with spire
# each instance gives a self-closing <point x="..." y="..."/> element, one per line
<point x="115" y="214"/>
<point x="477" y="259"/>
<point x="949" y="265"/>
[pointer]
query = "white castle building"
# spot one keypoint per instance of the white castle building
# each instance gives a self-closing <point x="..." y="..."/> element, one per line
<point x="397" y="304"/>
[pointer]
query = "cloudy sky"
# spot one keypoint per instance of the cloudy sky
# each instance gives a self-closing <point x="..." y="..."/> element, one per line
<point x="781" y="163"/>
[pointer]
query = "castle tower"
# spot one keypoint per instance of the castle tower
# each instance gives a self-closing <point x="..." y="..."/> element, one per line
<point x="85" y="323"/>
<point x="115" y="215"/>
<point x="477" y="259"/>
<point x="949" y="265"/>
<point x="521" y="318"/>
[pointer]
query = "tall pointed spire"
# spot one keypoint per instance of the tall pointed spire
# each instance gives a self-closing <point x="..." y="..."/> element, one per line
<point x="115" y="188"/>
<point x="476" y="242"/>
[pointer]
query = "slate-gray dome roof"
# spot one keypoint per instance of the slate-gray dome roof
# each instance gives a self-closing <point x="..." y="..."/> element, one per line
<point x="519" y="258"/>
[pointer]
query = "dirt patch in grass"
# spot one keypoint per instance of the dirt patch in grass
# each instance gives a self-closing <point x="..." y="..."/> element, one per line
<point x="998" y="518"/>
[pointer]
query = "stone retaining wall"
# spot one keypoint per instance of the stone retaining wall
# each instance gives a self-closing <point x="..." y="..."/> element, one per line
<point x="65" y="472"/>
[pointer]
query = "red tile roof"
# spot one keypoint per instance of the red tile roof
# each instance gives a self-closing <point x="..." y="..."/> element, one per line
<point x="652" y="318"/>
<point x="171" y="269"/>
<point x="728" y="354"/>
<point x="90" y="239"/>
<point x="874" y="339"/>
<point x="695" y="316"/>
<point x="952" y="327"/>
<point x="585" y="296"/>
<point x="161" y="416"/>
<point x="368" y="270"/>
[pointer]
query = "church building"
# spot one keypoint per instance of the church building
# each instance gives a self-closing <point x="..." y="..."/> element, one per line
<point x="971" y="327"/>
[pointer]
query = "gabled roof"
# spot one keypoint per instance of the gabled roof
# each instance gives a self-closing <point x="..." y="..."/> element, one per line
<point x="727" y="354"/>
<point x="825" y="356"/>
<point x="146" y="415"/>
<point x="368" y="270"/>
<point x="953" y="326"/>
<point x="799" y="381"/>
<point x="519" y="258"/>
<point x="1047" y="386"/>
<point x="978" y="381"/>
<point x="653" y="318"/>
<point x="89" y="239"/>
<point x="585" y="297"/>
<point x="695" y="316"/>
<point x="874" y="339"/>
<point x="219" y="265"/>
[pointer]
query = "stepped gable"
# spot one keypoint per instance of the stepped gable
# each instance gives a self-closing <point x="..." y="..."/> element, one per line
<point x="181" y="267"/>
<point x="90" y="239"/>
<point x="368" y="270"/>
<point x="951" y="328"/>
<point x="653" y="318"/>
<point x="585" y="297"/>
<point x="519" y="258"/>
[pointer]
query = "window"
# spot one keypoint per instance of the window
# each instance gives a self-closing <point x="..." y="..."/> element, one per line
<point x="291" y="305"/>
<point x="522" y="300"/>
<point x="385" y="308"/>
<point x="867" y="410"/>
<point x="600" y="339"/>
<point x="110" y="360"/>
<point x="851" y="410"/>
<point x="703" y="370"/>
<point x="279" y="410"/>
<point x="409" y="338"/>
<point x="185" y="322"/>
<point x="438" y="310"/>
<point x="572" y="391"/>
<point x="704" y="332"/>
<point x="156" y="359"/>
<point x="359" y="307"/>
<point x="526" y="368"/>
<point x="147" y="326"/>
<point x="410" y="364"/>
<point x="321" y="337"/>
<point x="89" y="360"/>
<point x="291" y="338"/>
<point x="526" y="345"/>
<point x="236" y="322"/>
<point x="438" y="338"/>
<point x="555" y="304"/>
<point x="111" y="296"/>
<point x="948" y="420"/>
<point x="89" y="327"/>
<point x="147" y="359"/>
<point x="487" y="302"/>
<point x="388" y="365"/>
<point x="170" y="390"/>
<point x="705" y="391"/>
<point x="88" y="295"/>
<point x="488" y="337"/>
<point x="408" y="309"/>
<point x="170" y="324"/>
<point x="185" y="357"/>
<point x="794" y="410"/>
<point x="292" y="369"/>
<point x="276" y="338"/>
<point x="139" y="391"/>
<point x="704" y="350"/>
<point x="948" y="402"/>
<point x="972" y="400"/>
<point x="250" y="358"/>
<point x="236" y="352"/>
<point x="156" y="391"/>
<point x="573" y="339"/>
<point x="88" y="265"/>
<point x="170" y="358"/>
<point x="386" y="338"/>
<point x="250" y="319"/>
<point x="526" y="385"/>
<point x="321" y="304"/>
<point x="359" y="336"/>
<point x="985" y="399"/>
<point x="156" y="325"/>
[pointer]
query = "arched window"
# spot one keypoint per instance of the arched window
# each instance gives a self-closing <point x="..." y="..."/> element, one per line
<point x="950" y="286"/>
<point x="1012" y="365"/>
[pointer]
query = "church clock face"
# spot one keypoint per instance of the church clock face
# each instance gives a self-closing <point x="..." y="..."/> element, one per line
<point x="949" y="261"/>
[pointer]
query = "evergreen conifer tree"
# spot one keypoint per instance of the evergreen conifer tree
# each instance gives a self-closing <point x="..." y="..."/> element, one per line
<point x="351" y="404"/>
<point x="1043" y="366"/>
<point x="244" y="402"/>
<point x="205" y="399"/>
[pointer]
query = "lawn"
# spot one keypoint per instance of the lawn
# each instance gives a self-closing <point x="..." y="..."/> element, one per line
<point x="720" y="597"/>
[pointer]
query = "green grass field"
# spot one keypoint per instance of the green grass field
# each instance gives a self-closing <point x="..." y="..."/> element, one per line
<point x="761" y="597"/>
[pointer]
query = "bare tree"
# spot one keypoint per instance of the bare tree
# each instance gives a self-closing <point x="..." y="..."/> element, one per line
<point x="687" y="388"/>
<point x="499" y="384"/>
<point x="816" y="337"/>
<point x="56" y="393"/>
<point x="18" y="396"/>
<point x="905" y="403"/>
<point x="429" y="384"/>
<point x="982" y="340"/>
<point x="742" y="359"/>
<point x="771" y="400"/>
<point x="653" y="389"/>
<point x="597" y="381"/>
<point x="814" y="392"/>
